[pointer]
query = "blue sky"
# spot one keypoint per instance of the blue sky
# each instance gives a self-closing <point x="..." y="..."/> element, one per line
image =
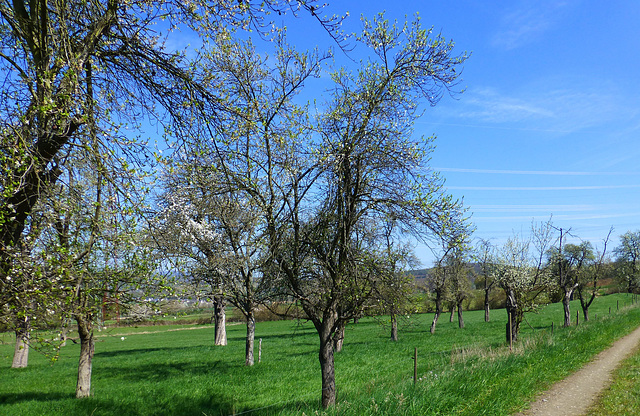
<point x="549" y="124"/>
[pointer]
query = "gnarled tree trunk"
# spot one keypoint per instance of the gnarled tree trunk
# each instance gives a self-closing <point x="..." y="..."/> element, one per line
<point x="514" y="317"/>
<point x="338" y="337"/>
<point x="460" y="318"/>
<point x="568" y="292"/>
<point x="219" y="320"/>
<point x="85" y="331"/>
<point x="486" y="305"/>
<point x="566" y="308"/>
<point x="437" y="314"/>
<point x="394" y="327"/>
<point x="585" y="304"/>
<point x="251" y="334"/>
<point x="327" y="368"/>
<point x="21" y="352"/>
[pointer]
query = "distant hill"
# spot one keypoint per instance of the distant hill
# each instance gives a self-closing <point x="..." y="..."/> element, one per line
<point x="420" y="275"/>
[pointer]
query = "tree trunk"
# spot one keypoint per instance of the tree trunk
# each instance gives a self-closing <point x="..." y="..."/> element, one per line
<point x="394" y="327"/>
<point x="460" y="318"/>
<point x="437" y="315"/>
<point x="219" y="319"/>
<point x="565" y="305"/>
<point x="568" y="294"/>
<point x="453" y="310"/>
<point x="514" y="315"/>
<point x="251" y="334"/>
<point x="85" y="331"/>
<point x="511" y="327"/>
<point x="64" y="331"/>
<point x="21" y="353"/>
<point x="338" y="337"/>
<point x="63" y="335"/>
<point x="328" y="370"/>
<point x="584" y="303"/>
<point x="486" y="305"/>
<point x="585" y="313"/>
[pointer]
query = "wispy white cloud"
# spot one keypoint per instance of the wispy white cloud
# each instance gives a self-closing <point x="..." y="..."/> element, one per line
<point x="540" y="188"/>
<point x="558" y="217"/>
<point x="531" y="172"/>
<point x="548" y="105"/>
<point x="488" y="105"/>
<point x="528" y="20"/>
<point x="538" y="208"/>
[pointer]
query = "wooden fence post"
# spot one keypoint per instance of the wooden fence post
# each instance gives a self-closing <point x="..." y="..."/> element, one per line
<point x="510" y="333"/>
<point x="260" y="350"/>
<point x="415" y="366"/>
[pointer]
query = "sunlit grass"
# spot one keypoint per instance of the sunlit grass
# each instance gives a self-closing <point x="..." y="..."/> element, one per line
<point x="176" y="370"/>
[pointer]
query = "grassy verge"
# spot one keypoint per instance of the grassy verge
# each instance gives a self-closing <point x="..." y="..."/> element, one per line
<point x="176" y="370"/>
<point x="622" y="398"/>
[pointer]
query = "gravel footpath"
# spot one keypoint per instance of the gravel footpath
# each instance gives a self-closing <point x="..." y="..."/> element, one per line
<point x="574" y="395"/>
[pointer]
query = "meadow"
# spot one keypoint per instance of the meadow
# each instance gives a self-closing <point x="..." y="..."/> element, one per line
<point x="176" y="370"/>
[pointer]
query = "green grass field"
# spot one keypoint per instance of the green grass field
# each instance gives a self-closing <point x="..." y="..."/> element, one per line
<point x="176" y="370"/>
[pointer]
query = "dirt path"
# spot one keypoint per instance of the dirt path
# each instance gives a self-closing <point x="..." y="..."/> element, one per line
<point x="574" y="395"/>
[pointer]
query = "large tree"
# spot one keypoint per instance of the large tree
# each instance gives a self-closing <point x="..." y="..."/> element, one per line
<point x="597" y="269"/>
<point x="484" y="255"/>
<point x="446" y="277"/>
<point x="185" y="235"/>
<point x="321" y="185"/>
<point x="627" y="256"/>
<point x="568" y="263"/>
<point x="394" y="298"/>
<point x="369" y="168"/>
<point x="86" y="252"/>
<point x="110" y="264"/>
<point x="215" y="236"/>
<point x="520" y="272"/>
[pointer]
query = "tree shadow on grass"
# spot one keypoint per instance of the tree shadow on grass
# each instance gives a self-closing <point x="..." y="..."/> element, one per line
<point x="213" y="405"/>
<point x="164" y="371"/>
<point x="292" y="407"/>
<point x="14" y="398"/>
<point x="177" y="404"/>
<point x="299" y="336"/>
<point x="136" y="351"/>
